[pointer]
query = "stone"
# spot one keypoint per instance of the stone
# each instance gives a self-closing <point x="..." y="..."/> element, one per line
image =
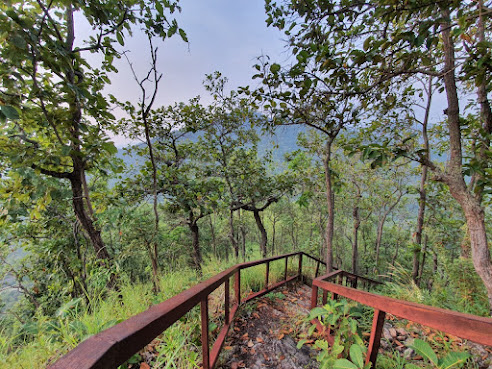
<point x="401" y="338"/>
<point x="401" y="331"/>
<point x="408" y="353"/>
<point x="392" y="332"/>
<point x="386" y="334"/>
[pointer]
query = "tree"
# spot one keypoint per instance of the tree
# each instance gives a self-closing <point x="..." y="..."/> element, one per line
<point x="53" y="111"/>
<point x="375" y="46"/>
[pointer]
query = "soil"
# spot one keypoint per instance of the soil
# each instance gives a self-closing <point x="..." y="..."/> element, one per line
<point x="265" y="333"/>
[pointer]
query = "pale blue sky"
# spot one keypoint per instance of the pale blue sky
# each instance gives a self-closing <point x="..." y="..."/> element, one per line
<point x="224" y="35"/>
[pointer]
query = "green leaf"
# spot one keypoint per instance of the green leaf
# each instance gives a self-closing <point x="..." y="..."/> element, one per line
<point x="119" y="37"/>
<point x="301" y="343"/>
<point x="10" y="112"/>
<point x="453" y="359"/>
<point x="424" y="349"/>
<point x="356" y="355"/>
<point x="275" y="68"/>
<point x="159" y="8"/>
<point x="183" y="35"/>
<point x="344" y="364"/>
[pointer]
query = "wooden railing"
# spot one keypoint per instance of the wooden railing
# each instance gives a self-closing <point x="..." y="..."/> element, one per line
<point x="114" y="346"/>
<point x="467" y="326"/>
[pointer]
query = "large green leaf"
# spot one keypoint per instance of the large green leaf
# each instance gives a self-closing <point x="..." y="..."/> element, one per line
<point x="453" y="359"/>
<point x="424" y="349"/>
<point x="10" y="112"/>
<point x="344" y="364"/>
<point x="356" y="355"/>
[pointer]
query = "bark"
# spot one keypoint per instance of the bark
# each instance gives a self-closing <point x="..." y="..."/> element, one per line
<point x="263" y="233"/>
<point x="232" y="235"/>
<point x="382" y="220"/>
<point x="274" y="228"/>
<point x="422" y="265"/>
<point x="83" y="217"/>
<point x="195" y="242"/>
<point x="469" y="202"/>
<point x="330" y="201"/>
<point x="355" y="231"/>
<point x="212" y="232"/>
<point x="422" y="190"/>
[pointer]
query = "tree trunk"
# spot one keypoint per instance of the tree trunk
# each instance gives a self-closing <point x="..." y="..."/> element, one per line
<point x="330" y="202"/>
<point x="212" y="232"/>
<point x="355" y="232"/>
<point x="81" y="214"/>
<point x="422" y="265"/>
<point x="474" y="214"/>
<point x="232" y="235"/>
<point x="379" y="237"/>
<point x="422" y="191"/>
<point x="195" y="242"/>
<point x="263" y="233"/>
<point x="274" y="228"/>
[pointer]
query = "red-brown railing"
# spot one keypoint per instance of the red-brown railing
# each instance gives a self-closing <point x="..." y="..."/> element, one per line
<point x="471" y="327"/>
<point x="114" y="346"/>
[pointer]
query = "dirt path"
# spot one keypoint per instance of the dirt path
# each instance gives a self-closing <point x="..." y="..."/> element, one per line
<point x="265" y="333"/>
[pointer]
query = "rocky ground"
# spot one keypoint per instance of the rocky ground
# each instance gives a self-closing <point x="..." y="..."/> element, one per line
<point x="264" y="337"/>
<point x="398" y="336"/>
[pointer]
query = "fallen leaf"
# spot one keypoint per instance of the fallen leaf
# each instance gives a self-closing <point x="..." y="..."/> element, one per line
<point x="266" y="357"/>
<point x="252" y="351"/>
<point x="250" y="343"/>
<point x="281" y="358"/>
<point x="234" y="365"/>
<point x="280" y="336"/>
<point x="228" y="348"/>
<point x="259" y="339"/>
<point x="144" y="366"/>
<point x="256" y="315"/>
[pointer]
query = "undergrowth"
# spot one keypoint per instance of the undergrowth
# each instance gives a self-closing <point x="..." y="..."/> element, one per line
<point x="40" y="340"/>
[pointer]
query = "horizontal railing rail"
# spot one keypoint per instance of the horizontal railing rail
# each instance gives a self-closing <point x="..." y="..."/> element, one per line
<point x="112" y="347"/>
<point x="467" y="326"/>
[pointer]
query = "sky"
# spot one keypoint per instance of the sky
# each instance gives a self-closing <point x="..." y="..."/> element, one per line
<point x="224" y="35"/>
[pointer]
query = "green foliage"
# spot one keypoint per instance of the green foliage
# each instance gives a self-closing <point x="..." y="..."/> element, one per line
<point x="341" y="318"/>
<point x="452" y="359"/>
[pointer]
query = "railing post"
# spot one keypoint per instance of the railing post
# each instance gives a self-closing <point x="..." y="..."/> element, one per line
<point x="314" y="296"/>
<point x="237" y="286"/>
<point x="267" y="274"/>
<point x="227" y="302"/>
<point x="375" y="339"/>
<point x="285" y="271"/>
<point x="299" y="269"/>
<point x="325" y="297"/>
<point x="205" y="342"/>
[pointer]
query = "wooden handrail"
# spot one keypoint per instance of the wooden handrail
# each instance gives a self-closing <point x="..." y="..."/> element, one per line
<point x="113" y="346"/>
<point x="471" y="327"/>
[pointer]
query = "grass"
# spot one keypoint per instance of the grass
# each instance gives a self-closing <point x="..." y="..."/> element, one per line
<point x="44" y="339"/>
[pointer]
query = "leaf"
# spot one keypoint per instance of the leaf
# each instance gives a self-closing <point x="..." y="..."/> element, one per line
<point x="10" y="112"/>
<point x="424" y="349"/>
<point x="183" y="35"/>
<point x="119" y="37"/>
<point x="452" y="359"/>
<point x="344" y="364"/>
<point x="275" y="68"/>
<point x="356" y="355"/>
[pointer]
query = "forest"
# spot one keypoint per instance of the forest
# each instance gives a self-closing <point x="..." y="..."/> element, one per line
<point x="335" y="151"/>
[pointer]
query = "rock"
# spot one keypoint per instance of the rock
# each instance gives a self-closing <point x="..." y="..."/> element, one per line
<point x="401" y="331"/>
<point x="386" y="334"/>
<point x="401" y="338"/>
<point x="408" y="353"/>
<point x="392" y="332"/>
